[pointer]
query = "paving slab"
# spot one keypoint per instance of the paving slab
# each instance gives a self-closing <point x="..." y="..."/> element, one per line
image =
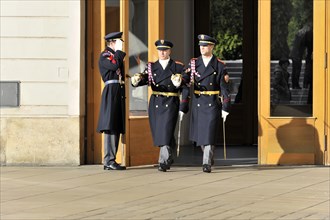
<point x="229" y="192"/>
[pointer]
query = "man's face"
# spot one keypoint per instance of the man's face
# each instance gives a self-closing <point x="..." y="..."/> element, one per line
<point x="164" y="54"/>
<point x="206" y="50"/>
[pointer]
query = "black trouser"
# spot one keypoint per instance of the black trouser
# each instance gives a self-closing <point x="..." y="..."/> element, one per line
<point x="296" y="69"/>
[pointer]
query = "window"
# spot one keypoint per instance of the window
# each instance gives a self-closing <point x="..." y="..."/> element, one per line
<point x="291" y="58"/>
<point x="138" y="54"/>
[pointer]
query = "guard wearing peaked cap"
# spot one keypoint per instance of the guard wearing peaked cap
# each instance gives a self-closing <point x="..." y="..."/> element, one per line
<point x="112" y="110"/>
<point x="209" y="79"/>
<point x="114" y="36"/>
<point x="205" y="40"/>
<point x="165" y="79"/>
<point x="163" y="44"/>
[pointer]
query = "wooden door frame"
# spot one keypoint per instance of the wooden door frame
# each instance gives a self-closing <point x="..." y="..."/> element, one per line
<point x="268" y="125"/>
<point x="139" y="148"/>
<point x="327" y="85"/>
<point x="95" y="44"/>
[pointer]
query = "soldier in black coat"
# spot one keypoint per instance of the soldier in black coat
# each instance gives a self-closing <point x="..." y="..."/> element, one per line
<point x="112" y="111"/>
<point x="164" y="77"/>
<point x="210" y="81"/>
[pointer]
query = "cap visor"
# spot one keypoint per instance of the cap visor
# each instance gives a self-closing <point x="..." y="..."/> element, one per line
<point x="163" y="48"/>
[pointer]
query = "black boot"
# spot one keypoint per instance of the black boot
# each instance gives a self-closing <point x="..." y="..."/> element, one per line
<point x="206" y="168"/>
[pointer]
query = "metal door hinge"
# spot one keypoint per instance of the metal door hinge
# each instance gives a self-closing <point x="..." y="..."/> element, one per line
<point x="326" y="60"/>
<point x="92" y="59"/>
<point x="92" y="142"/>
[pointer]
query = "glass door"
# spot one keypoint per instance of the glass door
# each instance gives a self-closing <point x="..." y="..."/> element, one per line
<point x="291" y="81"/>
<point x="291" y="58"/>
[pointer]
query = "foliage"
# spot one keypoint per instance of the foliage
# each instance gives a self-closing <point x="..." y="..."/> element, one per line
<point x="302" y="13"/>
<point x="229" y="47"/>
<point x="227" y="27"/>
<point x="280" y="17"/>
<point x="288" y="16"/>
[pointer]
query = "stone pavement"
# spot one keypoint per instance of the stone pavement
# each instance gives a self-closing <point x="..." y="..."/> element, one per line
<point x="229" y="192"/>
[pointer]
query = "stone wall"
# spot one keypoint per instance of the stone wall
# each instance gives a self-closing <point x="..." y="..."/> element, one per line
<point x="41" y="141"/>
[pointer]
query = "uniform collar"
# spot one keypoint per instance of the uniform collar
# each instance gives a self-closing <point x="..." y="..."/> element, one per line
<point x="207" y="60"/>
<point x="164" y="63"/>
<point x="111" y="50"/>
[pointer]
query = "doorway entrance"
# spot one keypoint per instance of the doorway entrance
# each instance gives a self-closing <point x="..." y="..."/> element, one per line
<point x="234" y="25"/>
<point x="139" y="20"/>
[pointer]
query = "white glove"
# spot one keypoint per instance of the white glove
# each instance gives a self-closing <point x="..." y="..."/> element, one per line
<point x="181" y="114"/>
<point x="176" y="80"/>
<point x="118" y="45"/>
<point x="136" y="79"/>
<point x="224" y="115"/>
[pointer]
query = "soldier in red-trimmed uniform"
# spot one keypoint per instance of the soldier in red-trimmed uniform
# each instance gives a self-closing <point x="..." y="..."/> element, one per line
<point x="112" y="111"/>
<point x="164" y="78"/>
<point x="210" y="81"/>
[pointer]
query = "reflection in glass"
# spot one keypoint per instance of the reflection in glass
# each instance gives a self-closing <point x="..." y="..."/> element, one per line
<point x="291" y="57"/>
<point x="138" y="54"/>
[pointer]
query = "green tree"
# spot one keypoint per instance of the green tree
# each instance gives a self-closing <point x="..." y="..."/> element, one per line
<point x="227" y="27"/>
<point x="280" y="18"/>
<point x="302" y="13"/>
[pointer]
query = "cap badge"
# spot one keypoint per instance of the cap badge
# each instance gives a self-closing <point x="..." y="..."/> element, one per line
<point x="202" y="36"/>
<point x="162" y="41"/>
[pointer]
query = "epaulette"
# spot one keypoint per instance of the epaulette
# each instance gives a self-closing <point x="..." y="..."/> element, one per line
<point x="221" y="61"/>
<point x="106" y="53"/>
<point x="177" y="62"/>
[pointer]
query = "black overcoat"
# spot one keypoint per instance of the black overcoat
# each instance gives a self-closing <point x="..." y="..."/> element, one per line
<point x="205" y="118"/>
<point x="163" y="111"/>
<point x="112" y="110"/>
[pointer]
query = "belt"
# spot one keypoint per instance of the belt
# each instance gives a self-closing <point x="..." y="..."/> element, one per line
<point x="165" y="93"/>
<point x="111" y="81"/>
<point x="207" y="92"/>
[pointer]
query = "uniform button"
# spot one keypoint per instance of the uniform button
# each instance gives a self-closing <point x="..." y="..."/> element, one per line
<point x="156" y="95"/>
<point x="166" y="105"/>
<point x="156" y="106"/>
<point x="169" y="85"/>
<point x="198" y="105"/>
<point x="210" y="104"/>
<point x="157" y="85"/>
<point x="214" y="73"/>
<point x="155" y="74"/>
<point x="199" y="83"/>
<point x="211" y="84"/>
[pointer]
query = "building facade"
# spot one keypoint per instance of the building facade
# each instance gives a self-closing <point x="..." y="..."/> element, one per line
<point x="42" y="52"/>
